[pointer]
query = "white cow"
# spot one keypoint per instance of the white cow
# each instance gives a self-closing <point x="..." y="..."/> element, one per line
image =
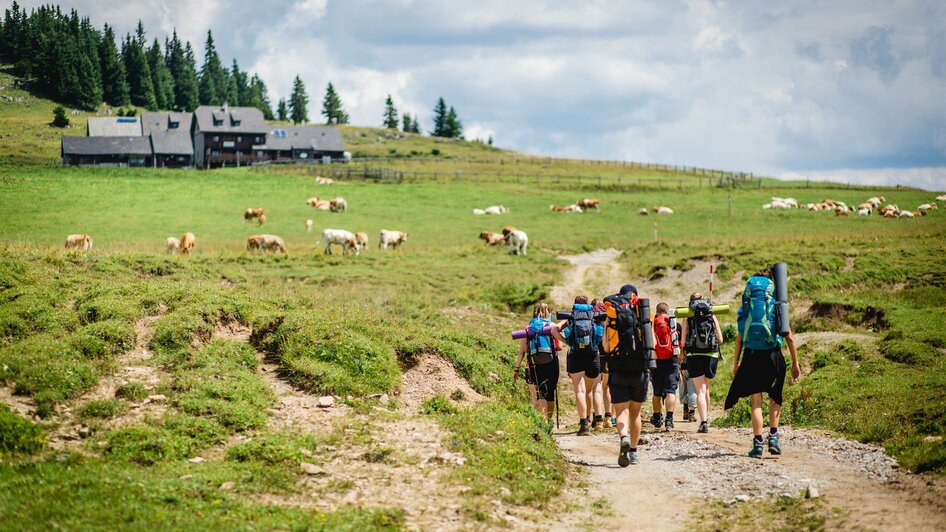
<point x="518" y="242"/>
<point x="863" y="211"/>
<point x="308" y="226"/>
<point x="496" y="209"/>
<point x="172" y="245"/>
<point x="344" y="238"/>
<point x="478" y="212"/>
<point x="941" y="198"/>
<point x="663" y="210"/>
<point x="394" y="238"/>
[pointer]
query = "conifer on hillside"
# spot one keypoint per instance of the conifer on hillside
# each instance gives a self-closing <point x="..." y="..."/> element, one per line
<point x="390" y="114"/>
<point x="298" y="102"/>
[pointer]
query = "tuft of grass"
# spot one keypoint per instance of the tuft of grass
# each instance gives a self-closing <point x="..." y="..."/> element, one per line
<point x="786" y="514"/>
<point x="18" y="435"/>
<point x="101" y="408"/>
<point x="132" y="391"/>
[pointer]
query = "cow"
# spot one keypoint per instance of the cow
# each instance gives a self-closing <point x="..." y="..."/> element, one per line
<point x="187" y="243"/>
<point x="338" y="205"/>
<point x="492" y="239"/>
<point x="320" y="204"/>
<point x="663" y="210"/>
<point x="496" y="209"/>
<point x="79" y="242"/>
<point x="172" y="245"/>
<point x="927" y="207"/>
<point x="589" y="203"/>
<point x="308" y="225"/>
<point x="518" y="242"/>
<point x="478" y="212"/>
<point x="271" y="243"/>
<point x="361" y="240"/>
<point x="253" y="212"/>
<point x="508" y="229"/>
<point x="254" y="243"/>
<point x="842" y="211"/>
<point x="394" y="238"/>
<point x="324" y="180"/>
<point x="643" y="212"/>
<point x="344" y="238"/>
<point x="864" y="211"/>
<point x="261" y="219"/>
<point x="567" y="208"/>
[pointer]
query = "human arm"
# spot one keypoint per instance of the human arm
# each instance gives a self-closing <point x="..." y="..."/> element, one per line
<point x="719" y="331"/>
<point x="522" y="352"/>
<point x="557" y="333"/>
<point x="737" y="355"/>
<point x="683" y="335"/>
<point x="796" y="369"/>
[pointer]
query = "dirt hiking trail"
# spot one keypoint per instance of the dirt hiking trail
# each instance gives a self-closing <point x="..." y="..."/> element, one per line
<point x="681" y="470"/>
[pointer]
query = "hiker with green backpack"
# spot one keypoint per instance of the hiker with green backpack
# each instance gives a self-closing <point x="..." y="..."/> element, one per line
<point x="703" y="337"/>
<point x="759" y="366"/>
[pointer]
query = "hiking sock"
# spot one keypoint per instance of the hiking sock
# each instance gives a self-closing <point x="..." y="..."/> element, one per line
<point x="773" y="431"/>
<point x="598" y="418"/>
<point x="757" y="439"/>
<point x="607" y="414"/>
<point x="669" y="416"/>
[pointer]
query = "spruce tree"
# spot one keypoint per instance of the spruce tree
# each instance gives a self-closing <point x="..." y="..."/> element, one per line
<point x="332" y="108"/>
<point x="453" y="127"/>
<point x="281" y="112"/>
<point x="241" y="86"/>
<point x="184" y="73"/>
<point x="390" y="114"/>
<point x="258" y="96"/>
<point x="298" y="102"/>
<point x="406" y="123"/>
<point x="89" y="94"/>
<point x="114" y="84"/>
<point x="160" y="77"/>
<point x="59" y="116"/>
<point x="440" y="119"/>
<point x="213" y="77"/>
<point x="141" y="88"/>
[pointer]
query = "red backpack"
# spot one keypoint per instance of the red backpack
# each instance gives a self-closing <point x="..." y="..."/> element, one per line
<point x="663" y="343"/>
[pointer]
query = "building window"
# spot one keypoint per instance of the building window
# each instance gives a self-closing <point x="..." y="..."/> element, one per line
<point x="228" y="144"/>
<point x="173" y="125"/>
<point x="214" y="152"/>
<point x="303" y="155"/>
<point x="259" y="139"/>
<point x="239" y="139"/>
<point x="218" y="122"/>
<point x="236" y="123"/>
<point x="259" y="154"/>
<point x="216" y="139"/>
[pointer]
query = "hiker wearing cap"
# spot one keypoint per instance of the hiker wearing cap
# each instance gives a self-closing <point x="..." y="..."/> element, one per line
<point x="703" y="337"/>
<point x="628" y="378"/>
<point x="539" y="351"/>
<point x="758" y="365"/>
<point x="583" y="336"/>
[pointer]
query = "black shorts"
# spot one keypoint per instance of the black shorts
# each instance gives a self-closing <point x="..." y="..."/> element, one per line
<point x="664" y="377"/>
<point x="628" y="386"/>
<point x="702" y="366"/>
<point x="759" y="372"/>
<point x="529" y="379"/>
<point x="583" y="361"/>
<point x="605" y="362"/>
<point x="546" y="379"/>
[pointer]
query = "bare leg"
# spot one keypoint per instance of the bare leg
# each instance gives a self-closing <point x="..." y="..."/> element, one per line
<point x="605" y="392"/>
<point x="671" y="402"/>
<point x="634" y="415"/>
<point x="775" y="413"/>
<point x="621" y="413"/>
<point x="702" y="390"/>
<point x="578" y="383"/>
<point x="657" y="404"/>
<point x="594" y="402"/>
<point x="757" y="422"/>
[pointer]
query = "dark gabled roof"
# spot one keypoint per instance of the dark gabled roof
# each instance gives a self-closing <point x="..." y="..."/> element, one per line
<point x="117" y="126"/>
<point x="106" y="146"/>
<point x="151" y="122"/>
<point x="232" y="119"/>
<point x="318" y="138"/>
<point x="172" y="142"/>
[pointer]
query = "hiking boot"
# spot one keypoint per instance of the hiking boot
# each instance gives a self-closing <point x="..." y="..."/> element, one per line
<point x="669" y="423"/>
<point x="757" y="449"/>
<point x="623" y="459"/>
<point x="692" y="415"/>
<point x="704" y="428"/>
<point x="608" y="423"/>
<point x="596" y="423"/>
<point x="583" y="428"/>
<point x="774" y="447"/>
<point x="632" y="458"/>
<point x="657" y="420"/>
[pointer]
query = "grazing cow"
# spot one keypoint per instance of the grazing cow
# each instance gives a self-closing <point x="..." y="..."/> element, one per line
<point x="643" y="212"/>
<point x="518" y="242"/>
<point x="927" y="207"/>
<point x="889" y="214"/>
<point x="776" y="204"/>
<point x="507" y="230"/>
<point x="906" y="214"/>
<point x="308" y="225"/>
<point x="842" y="211"/>
<point x="394" y="238"/>
<point x="492" y="239"/>
<point x="865" y="205"/>
<point x="891" y="209"/>
<point x="478" y="212"/>
<point x="272" y="243"/>
<point x="172" y="245"/>
<point x="261" y="219"/>
<point x="254" y="243"/>
<point x="344" y="238"/>
<point x="941" y="198"/>
<point x="324" y="180"/>
<point x="568" y="208"/>
<point x="79" y="242"/>
<point x="876" y="201"/>
<point x="663" y="210"/>
<point x="252" y="213"/>
<point x="361" y="240"/>
<point x="338" y="205"/>
<point x="789" y="202"/>
<point x="864" y="211"/>
<point x="589" y="203"/>
<point x="320" y="204"/>
<point x="187" y="243"/>
<point x="496" y="209"/>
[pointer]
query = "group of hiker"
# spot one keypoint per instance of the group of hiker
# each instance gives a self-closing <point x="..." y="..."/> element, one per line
<point x="616" y="349"/>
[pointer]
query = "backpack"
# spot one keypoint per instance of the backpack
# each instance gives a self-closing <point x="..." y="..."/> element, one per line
<point x="663" y="340"/>
<point x="624" y="327"/>
<point x="701" y="331"/>
<point x="541" y="346"/>
<point x="756" y="320"/>
<point x="581" y="336"/>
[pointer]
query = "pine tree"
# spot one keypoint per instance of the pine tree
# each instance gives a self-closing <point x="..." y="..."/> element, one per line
<point x="213" y="77"/>
<point x="239" y="80"/>
<point x="440" y="119"/>
<point x="406" y="123"/>
<point x="298" y="102"/>
<point x="453" y="127"/>
<point x="141" y="88"/>
<point x="332" y="108"/>
<point x="180" y="62"/>
<point x="281" y="112"/>
<point x="160" y="78"/>
<point x="114" y="84"/>
<point x="257" y="96"/>
<point x="59" y="117"/>
<point x="390" y="114"/>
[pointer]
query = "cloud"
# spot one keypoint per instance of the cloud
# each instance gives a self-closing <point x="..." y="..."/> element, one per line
<point x="875" y="51"/>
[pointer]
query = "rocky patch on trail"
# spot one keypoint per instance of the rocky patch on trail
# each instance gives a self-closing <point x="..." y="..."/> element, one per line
<point x="429" y="375"/>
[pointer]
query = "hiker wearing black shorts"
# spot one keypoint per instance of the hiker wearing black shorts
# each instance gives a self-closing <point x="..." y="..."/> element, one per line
<point x="664" y="376"/>
<point x="627" y="382"/>
<point x="583" y="336"/>
<point x="542" y="360"/>
<point x="703" y="337"/>
<point x="758" y="365"/>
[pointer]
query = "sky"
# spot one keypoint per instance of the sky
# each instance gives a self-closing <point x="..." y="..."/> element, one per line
<point x="845" y="90"/>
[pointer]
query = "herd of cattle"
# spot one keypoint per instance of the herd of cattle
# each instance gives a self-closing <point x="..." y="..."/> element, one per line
<point x="869" y="207"/>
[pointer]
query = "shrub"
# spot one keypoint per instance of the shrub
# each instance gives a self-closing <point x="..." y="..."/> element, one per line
<point x="273" y="449"/>
<point x="518" y="296"/>
<point x="906" y="351"/>
<point x="823" y="359"/>
<point x="59" y="116"/>
<point x="435" y="151"/>
<point x="104" y="339"/>
<point x="438" y="405"/>
<point x="18" y="435"/>
<point x="101" y="408"/>
<point x="132" y="391"/>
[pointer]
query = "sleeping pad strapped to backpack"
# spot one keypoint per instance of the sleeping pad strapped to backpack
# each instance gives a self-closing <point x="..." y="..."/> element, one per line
<point x="541" y="346"/>
<point x="625" y="334"/>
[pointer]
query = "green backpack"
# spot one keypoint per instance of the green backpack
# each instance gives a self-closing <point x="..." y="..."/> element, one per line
<point x="756" y="319"/>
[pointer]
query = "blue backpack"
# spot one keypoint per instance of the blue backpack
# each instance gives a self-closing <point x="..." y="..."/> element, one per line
<point x="581" y="335"/>
<point x="541" y="346"/>
<point x="756" y="320"/>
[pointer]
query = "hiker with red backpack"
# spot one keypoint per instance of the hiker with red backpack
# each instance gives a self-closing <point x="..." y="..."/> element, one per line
<point x="663" y="378"/>
<point x="583" y="336"/>
<point x="759" y="366"/>
<point x="703" y="337"/>
<point x="630" y="342"/>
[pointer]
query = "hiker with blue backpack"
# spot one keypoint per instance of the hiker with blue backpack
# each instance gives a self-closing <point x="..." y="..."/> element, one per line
<point x="759" y="366"/>
<point x="703" y="337"/>
<point x="542" y="359"/>
<point x="583" y="336"/>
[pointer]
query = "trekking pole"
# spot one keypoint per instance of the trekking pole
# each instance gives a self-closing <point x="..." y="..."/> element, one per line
<point x="557" y="424"/>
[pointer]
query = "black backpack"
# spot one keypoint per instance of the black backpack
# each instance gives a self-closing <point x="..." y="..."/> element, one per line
<point x="581" y="337"/>
<point x="701" y="331"/>
<point x="630" y="354"/>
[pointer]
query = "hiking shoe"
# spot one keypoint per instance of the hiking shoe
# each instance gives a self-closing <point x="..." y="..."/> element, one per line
<point x="704" y="428"/>
<point x="624" y="458"/>
<point x="596" y="423"/>
<point x="757" y="450"/>
<point x="632" y="458"/>
<point x="614" y="421"/>
<point x="657" y="420"/>
<point x="774" y="447"/>
<point x="668" y="424"/>
<point x="583" y="428"/>
<point x="608" y="423"/>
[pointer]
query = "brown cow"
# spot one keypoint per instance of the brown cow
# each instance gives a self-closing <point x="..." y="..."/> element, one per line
<point x="361" y="240"/>
<point x="187" y="243"/>
<point x="254" y="243"/>
<point x="79" y="242"/>
<point x="324" y="180"/>
<point x="492" y="239"/>
<point x="590" y="203"/>
<point x="253" y="212"/>
<point x="262" y="219"/>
